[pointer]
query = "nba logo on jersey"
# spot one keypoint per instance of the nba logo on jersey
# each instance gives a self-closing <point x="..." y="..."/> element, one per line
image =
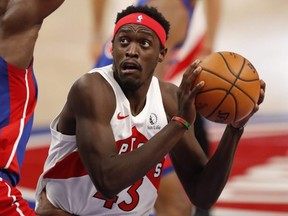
<point x="139" y="18"/>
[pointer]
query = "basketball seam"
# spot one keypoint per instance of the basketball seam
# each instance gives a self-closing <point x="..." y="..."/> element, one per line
<point x="238" y="78"/>
<point x="228" y="92"/>
<point x="232" y="83"/>
<point x="223" y="78"/>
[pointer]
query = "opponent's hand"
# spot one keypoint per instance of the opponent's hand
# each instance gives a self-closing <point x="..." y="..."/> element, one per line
<point x="45" y="207"/>
<point x="187" y="93"/>
<point x="244" y="121"/>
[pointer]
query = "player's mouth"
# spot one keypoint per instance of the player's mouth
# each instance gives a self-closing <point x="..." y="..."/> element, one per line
<point x="130" y="67"/>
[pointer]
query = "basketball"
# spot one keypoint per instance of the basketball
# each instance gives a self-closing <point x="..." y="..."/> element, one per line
<point x="231" y="89"/>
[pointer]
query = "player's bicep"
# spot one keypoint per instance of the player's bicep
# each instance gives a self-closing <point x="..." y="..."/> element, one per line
<point x="90" y="101"/>
<point x="94" y="138"/>
<point x="96" y="145"/>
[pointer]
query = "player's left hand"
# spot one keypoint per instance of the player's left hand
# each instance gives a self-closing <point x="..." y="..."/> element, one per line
<point x="244" y="121"/>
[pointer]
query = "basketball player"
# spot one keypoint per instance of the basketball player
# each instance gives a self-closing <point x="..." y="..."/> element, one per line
<point x="189" y="39"/>
<point x="119" y="122"/>
<point x="20" y="22"/>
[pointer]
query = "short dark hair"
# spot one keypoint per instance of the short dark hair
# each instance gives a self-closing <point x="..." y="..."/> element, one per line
<point x="150" y="11"/>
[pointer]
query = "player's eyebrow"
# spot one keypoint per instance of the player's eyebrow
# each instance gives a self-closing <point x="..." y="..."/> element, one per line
<point x="135" y="28"/>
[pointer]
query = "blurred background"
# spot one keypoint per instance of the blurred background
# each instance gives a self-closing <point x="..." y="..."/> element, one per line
<point x="255" y="29"/>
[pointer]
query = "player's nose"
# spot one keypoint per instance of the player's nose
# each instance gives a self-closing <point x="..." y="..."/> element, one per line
<point x="132" y="51"/>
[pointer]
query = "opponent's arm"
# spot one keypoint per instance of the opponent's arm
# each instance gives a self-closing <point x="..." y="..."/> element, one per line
<point x="45" y="207"/>
<point x="20" y="24"/>
<point x="21" y="14"/>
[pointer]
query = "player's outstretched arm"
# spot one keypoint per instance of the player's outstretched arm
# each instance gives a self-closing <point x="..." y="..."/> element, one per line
<point x="20" y="23"/>
<point x="23" y="14"/>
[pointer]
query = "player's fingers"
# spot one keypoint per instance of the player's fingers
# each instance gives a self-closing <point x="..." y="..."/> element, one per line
<point x="244" y="121"/>
<point x="191" y="68"/>
<point x="255" y="109"/>
<point x="192" y="78"/>
<point x="196" y="63"/>
<point x="262" y="96"/>
<point x="197" y="88"/>
<point x="189" y="76"/>
<point x="262" y="92"/>
<point x="263" y="85"/>
<point x="184" y="78"/>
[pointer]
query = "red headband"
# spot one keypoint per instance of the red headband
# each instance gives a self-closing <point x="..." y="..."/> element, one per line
<point x="142" y="19"/>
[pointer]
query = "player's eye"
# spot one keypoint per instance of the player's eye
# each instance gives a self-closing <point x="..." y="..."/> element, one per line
<point x="124" y="41"/>
<point x="145" y="43"/>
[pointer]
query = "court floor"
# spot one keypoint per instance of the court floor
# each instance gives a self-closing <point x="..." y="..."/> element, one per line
<point x="258" y="184"/>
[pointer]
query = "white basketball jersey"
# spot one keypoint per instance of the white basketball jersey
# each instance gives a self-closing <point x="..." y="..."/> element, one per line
<point x="66" y="180"/>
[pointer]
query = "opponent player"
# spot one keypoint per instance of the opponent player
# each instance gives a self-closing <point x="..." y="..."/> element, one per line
<point x="20" y="22"/>
<point x="192" y="35"/>
<point x="110" y="140"/>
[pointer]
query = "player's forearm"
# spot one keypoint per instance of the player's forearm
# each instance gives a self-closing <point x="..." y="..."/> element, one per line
<point x="22" y="15"/>
<point x="214" y="176"/>
<point x="121" y="171"/>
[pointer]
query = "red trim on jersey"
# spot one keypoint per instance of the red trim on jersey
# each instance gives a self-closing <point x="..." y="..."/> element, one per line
<point x="136" y="140"/>
<point x="12" y="202"/>
<point x="70" y="166"/>
<point x="22" y="95"/>
<point x="168" y="162"/>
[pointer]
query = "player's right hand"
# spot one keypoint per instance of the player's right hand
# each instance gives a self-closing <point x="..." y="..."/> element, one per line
<point x="187" y="92"/>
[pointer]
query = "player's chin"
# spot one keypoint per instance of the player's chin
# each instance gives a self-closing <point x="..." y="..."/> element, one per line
<point x="130" y="83"/>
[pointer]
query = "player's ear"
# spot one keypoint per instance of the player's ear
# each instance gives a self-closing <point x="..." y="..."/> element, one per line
<point x="111" y="46"/>
<point x="162" y="54"/>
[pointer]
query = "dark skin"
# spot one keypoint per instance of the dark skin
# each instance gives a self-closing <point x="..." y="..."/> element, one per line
<point x="172" y="200"/>
<point x="83" y="115"/>
<point x="20" y="22"/>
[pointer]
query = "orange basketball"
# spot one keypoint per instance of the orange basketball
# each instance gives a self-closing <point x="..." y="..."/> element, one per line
<point x="231" y="89"/>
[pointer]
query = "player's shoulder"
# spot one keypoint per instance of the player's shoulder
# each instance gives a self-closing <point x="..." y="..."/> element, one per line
<point x="169" y="96"/>
<point x="90" y="90"/>
<point x="168" y="88"/>
<point x="89" y="83"/>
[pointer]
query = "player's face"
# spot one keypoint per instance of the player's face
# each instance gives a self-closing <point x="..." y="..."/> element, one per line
<point x="136" y="52"/>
